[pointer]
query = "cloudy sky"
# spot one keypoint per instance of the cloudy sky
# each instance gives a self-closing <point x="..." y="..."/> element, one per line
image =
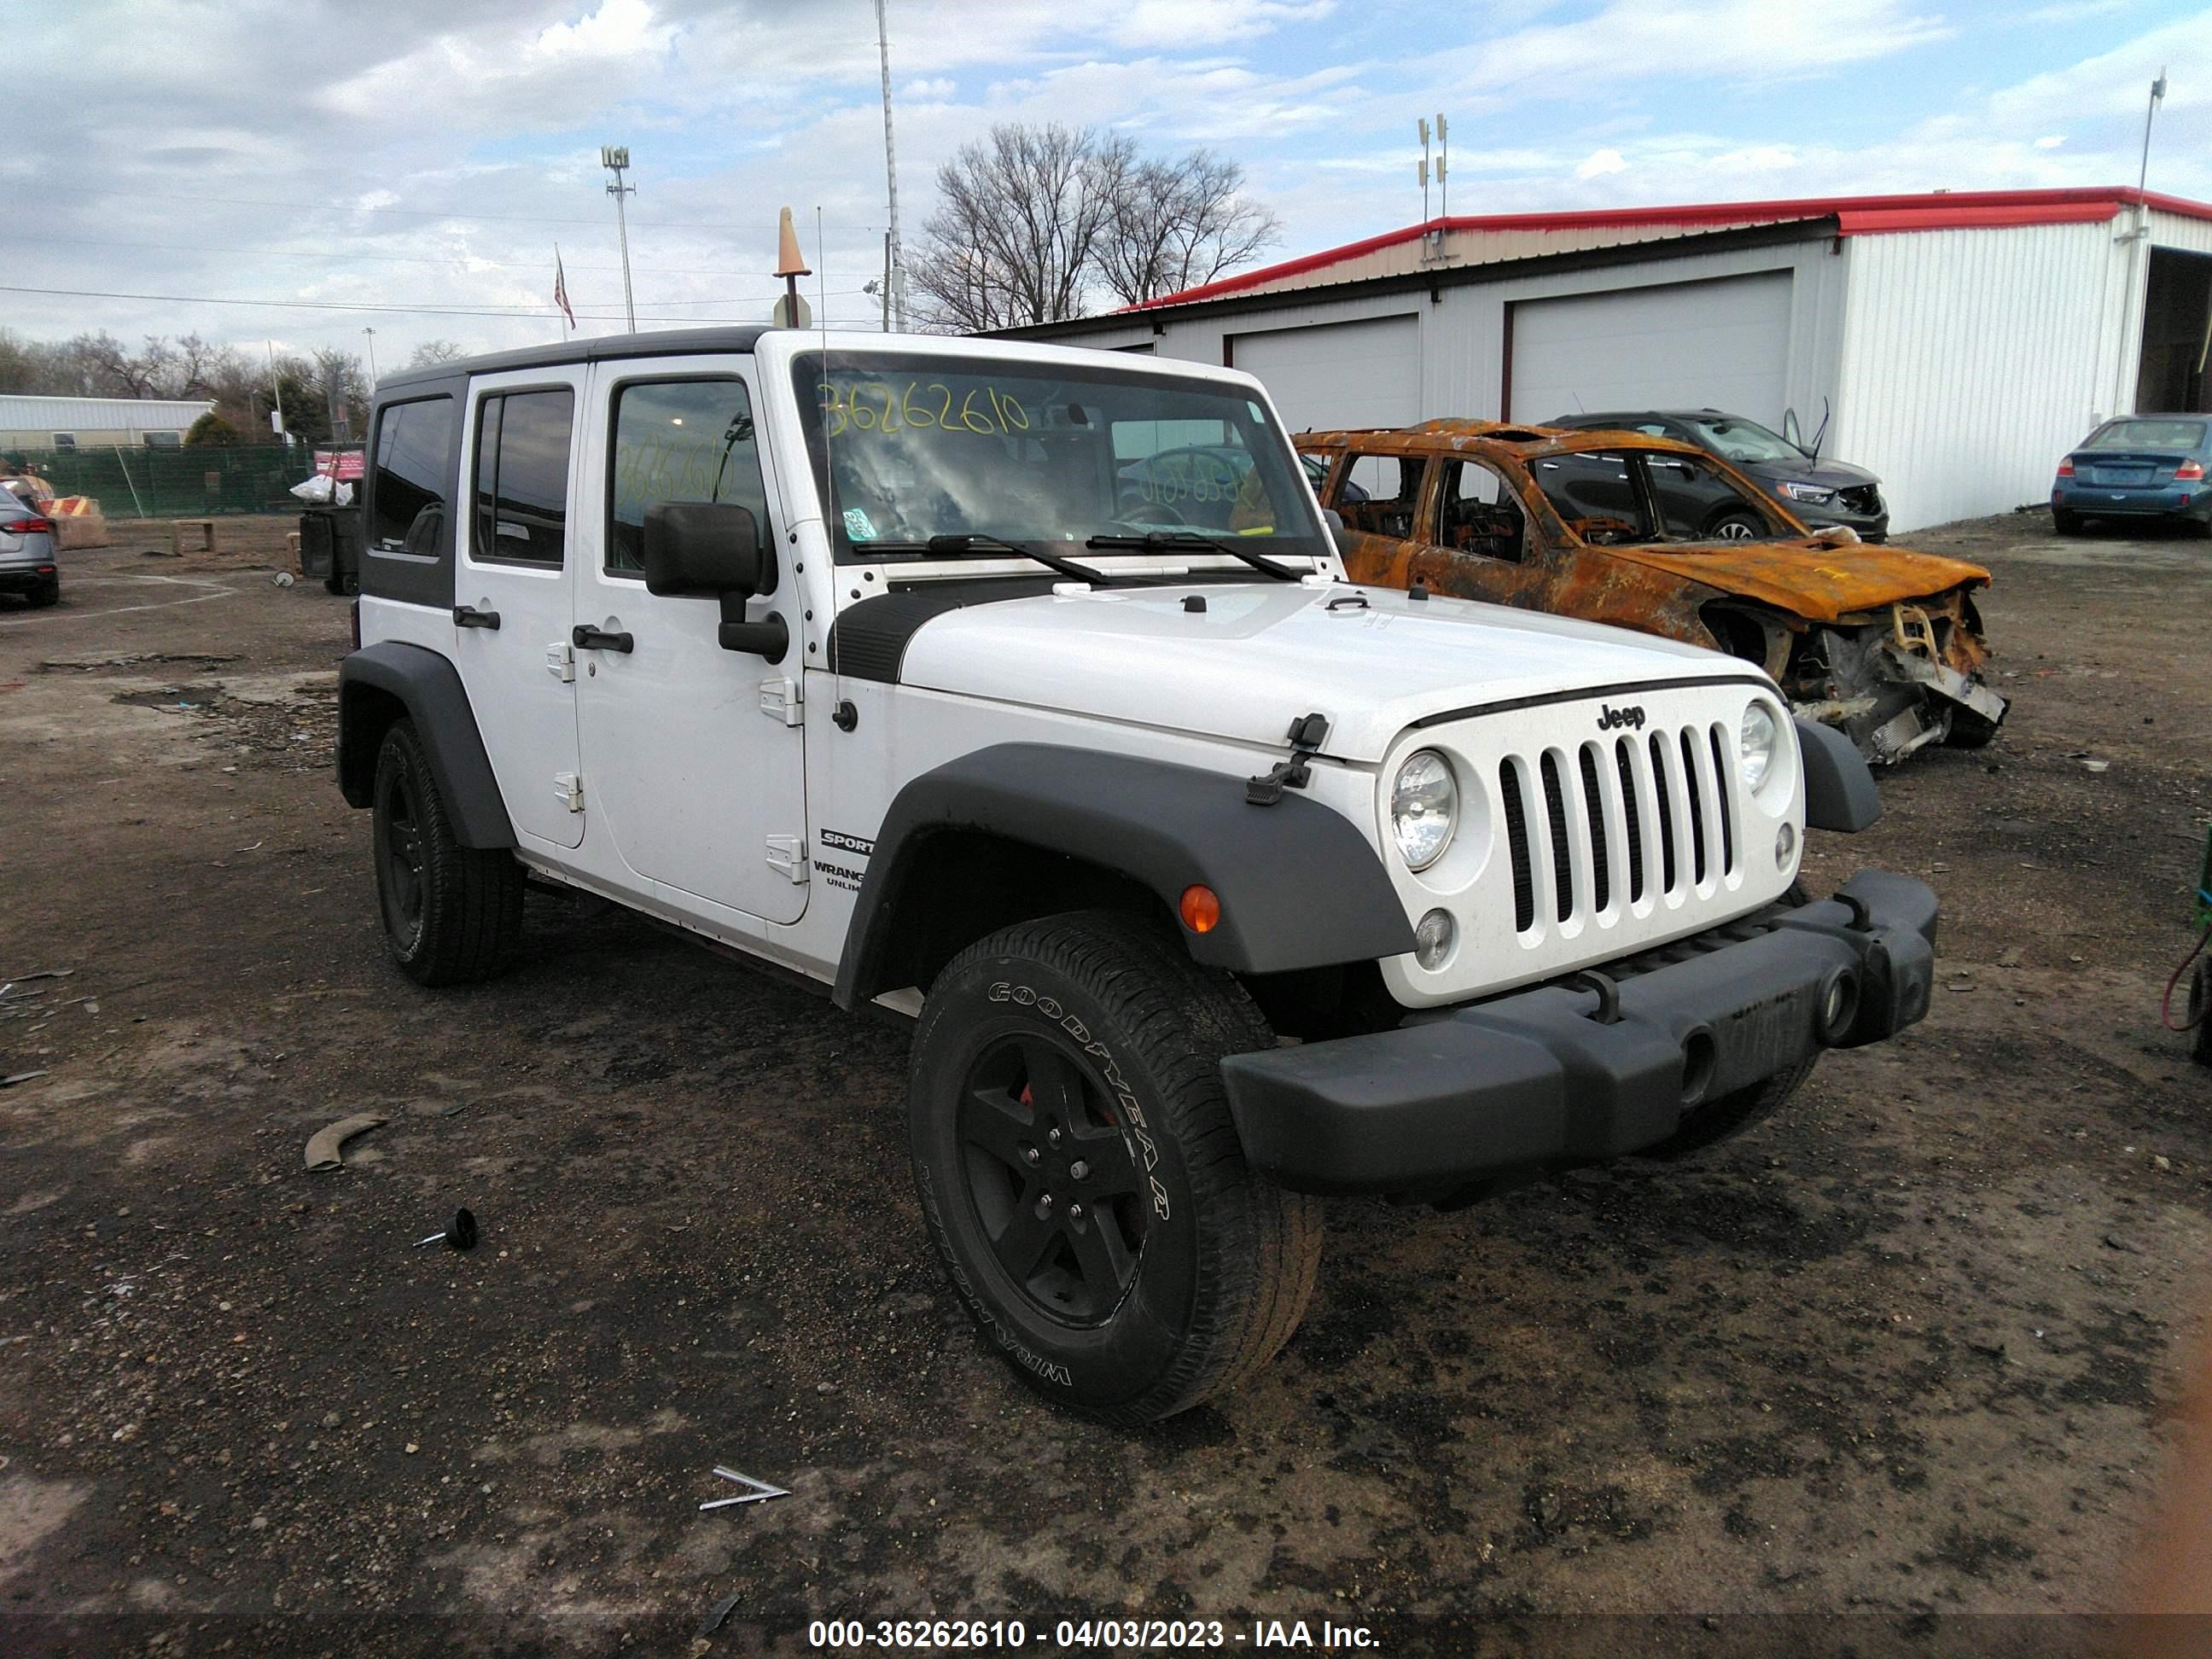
<point x="409" y="165"/>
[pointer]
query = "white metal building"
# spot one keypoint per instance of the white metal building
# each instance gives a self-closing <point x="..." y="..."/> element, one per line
<point x="95" y="423"/>
<point x="1963" y="341"/>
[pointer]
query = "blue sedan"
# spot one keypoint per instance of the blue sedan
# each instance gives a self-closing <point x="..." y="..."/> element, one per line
<point x="2138" y="466"/>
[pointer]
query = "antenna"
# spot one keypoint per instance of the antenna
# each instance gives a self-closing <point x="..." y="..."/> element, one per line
<point x="842" y="714"/>
<point x="1443" y="184"/>
<point x="1424" y="124"/>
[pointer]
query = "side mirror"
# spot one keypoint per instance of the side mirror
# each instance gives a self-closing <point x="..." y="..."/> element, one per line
<point x="714" y="549"/>
<point x="705" y="548"/>
<point x="1332" y="522"/>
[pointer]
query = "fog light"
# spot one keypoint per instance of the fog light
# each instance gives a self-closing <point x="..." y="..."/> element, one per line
<point x="1432" y="938"/>
<point x="1785" y="847"/>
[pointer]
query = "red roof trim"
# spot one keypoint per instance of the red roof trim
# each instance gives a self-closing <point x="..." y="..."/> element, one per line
<point x="1857" y="215"/>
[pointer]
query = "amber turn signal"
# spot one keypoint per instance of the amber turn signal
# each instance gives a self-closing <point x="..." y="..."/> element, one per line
<point x="1201" y="910"/>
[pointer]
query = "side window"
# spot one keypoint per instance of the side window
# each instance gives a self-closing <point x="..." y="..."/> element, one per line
<point x="521" y="510"/>
<point x="680" y="441"/>
<point x="1379" y="493"/>
<point x="407" y="489"/>
<point x="1477" y="514"/>
<point x="1696" y="503"/>
<point x="1591" y="490"/>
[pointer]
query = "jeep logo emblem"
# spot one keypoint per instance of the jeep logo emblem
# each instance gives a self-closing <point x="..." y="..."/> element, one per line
<point x="1612" y="719"/>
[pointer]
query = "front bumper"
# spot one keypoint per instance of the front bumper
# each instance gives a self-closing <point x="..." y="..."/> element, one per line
<point x="1870" y="526"/>
<point x="1535" y="1080"/>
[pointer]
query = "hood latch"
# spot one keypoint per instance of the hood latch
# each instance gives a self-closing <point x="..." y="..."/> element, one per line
<point x="1307" y="734"/>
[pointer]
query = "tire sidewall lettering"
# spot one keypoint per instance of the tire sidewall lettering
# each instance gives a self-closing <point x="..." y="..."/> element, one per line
<point x="1146" y="1150"/>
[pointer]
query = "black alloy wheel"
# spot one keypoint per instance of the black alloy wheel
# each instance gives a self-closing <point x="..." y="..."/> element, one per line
<point x="400" y="855"/>
<point x="1079" y="1169"/>
<point x="1053" y="1180"/>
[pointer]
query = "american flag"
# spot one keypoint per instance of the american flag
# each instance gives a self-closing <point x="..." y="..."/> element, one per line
<point x="561" y="288"/>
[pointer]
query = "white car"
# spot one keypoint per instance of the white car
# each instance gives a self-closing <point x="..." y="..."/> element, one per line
<point x="1213" y="882"/>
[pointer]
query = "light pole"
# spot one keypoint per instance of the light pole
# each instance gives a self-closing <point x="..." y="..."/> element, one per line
<point x="614" y="158"/>
<point x="2157" y="97"/>
<point x="894" y="255"/>
<point x="372" y="354"/>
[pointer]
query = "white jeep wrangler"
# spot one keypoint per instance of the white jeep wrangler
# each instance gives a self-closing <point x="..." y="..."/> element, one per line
<point x="1019" y="689"/>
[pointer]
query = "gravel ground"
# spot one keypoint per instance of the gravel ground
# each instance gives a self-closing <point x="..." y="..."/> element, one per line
<point x="1885" y="1374"/>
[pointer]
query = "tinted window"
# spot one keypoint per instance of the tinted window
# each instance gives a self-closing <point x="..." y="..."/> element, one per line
<point x="681" y="440"/>
<point x="522" y="476"/>
<point x="407" y="496"/>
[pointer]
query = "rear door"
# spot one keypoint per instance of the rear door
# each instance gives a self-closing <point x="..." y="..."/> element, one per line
<point x="512" y="593"/>
<point x="695" y="754"/>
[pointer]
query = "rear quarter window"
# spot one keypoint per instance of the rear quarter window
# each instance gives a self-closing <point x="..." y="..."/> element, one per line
<point x="409" y="507"/>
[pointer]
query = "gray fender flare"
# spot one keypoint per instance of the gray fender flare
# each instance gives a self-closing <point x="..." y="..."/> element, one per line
<point x="429" y="686"/>
<point x="1299" y="885"/>
<point x="1839" y="792"/>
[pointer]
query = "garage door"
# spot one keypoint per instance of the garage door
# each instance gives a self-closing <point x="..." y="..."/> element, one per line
<point x="1723" y="344"/>
<point x="1365" y="373"/>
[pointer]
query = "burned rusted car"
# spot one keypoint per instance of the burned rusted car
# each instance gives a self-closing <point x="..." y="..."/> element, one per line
<point x="1645" y="532"/>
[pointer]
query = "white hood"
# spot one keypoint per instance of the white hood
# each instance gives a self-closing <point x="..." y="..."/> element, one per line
<point x="1260" y="655"/>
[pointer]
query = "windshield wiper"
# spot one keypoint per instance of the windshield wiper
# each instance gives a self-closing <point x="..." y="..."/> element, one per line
<point x="1156" y="541"/>
<point x="975" y="542"/>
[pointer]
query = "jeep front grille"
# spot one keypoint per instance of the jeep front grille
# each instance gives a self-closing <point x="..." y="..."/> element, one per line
<point x="1589" y="838"/>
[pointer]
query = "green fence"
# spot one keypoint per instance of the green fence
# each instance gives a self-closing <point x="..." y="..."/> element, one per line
<point x="199" y="483"/>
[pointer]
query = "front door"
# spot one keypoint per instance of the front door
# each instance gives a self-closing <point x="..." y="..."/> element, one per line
<point x="513" y="594"/>
<point x="693" y="755"/>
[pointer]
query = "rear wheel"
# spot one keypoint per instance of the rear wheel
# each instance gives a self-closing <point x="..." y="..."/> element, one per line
<point x="451" y="913"/>
<point x="1081" y="1176"/>
<point x="47" y="592"/>
<point x="2065" y="523"/>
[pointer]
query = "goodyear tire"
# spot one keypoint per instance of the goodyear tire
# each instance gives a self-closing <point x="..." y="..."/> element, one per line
<point x="451" y="913"/>
<point x="1081" y="1177"/>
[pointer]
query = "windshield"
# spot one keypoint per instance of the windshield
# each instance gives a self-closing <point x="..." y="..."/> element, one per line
<point x="1735" y="439"/>
<point x="907" y="446"/>
<point x="2147" y="435"/>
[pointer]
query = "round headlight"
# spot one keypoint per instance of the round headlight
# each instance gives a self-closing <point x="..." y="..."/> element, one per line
<point x="1424" y="809"/>
<point x="1755" y="745"/>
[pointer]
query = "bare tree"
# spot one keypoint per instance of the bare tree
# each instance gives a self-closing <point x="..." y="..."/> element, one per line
<point x="1013" y="237"/>
<point x="1176" y="224"/>
<point x="431" y="353"/>
<point x="1031" y="219"/>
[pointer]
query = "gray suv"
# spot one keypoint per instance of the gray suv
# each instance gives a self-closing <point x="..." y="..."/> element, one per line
<point x="1817" y="492"/>
<point x="27" y="552"/>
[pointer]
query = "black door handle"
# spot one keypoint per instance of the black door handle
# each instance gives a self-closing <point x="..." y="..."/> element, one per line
<point x="598" y="639"/>
<point x="467" y="616"/>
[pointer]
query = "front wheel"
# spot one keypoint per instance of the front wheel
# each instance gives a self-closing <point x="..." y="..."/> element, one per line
<point x="1080" y="1175"/>
<point x="1736" y="527"/>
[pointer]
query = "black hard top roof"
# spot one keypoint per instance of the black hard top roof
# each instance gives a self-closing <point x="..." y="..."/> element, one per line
<point x="667" y="343"/>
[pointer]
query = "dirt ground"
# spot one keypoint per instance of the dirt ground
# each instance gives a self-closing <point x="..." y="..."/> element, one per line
<point x="1888" y="1374"/>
